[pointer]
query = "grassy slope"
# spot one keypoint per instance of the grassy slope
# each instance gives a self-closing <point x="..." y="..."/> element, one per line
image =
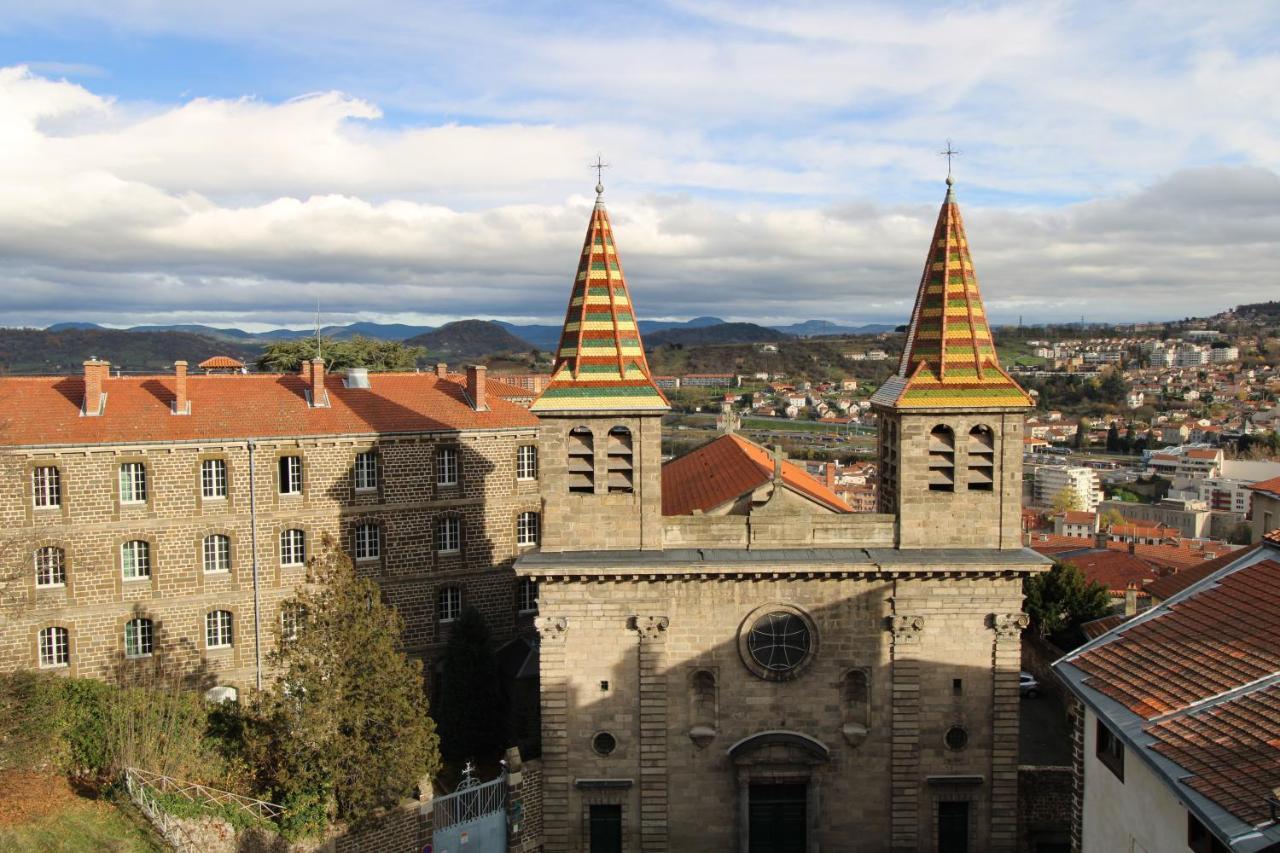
<point x="82" y="825"/>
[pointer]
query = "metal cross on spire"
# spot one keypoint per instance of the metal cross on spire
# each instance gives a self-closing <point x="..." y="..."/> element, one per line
<point x="599" y="165"/>
<point x="949" y="153"/>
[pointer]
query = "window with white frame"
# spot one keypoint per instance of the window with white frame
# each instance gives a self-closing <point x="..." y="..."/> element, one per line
<point x="217" y="553"/>
<point x="449" y="603"/>
<point x="290" y="475"/>
<point x="446" y="466"/>
<point x="135" y="560"/>
<point x="51" y="566"/>
<point x="217" y="629"/>
<point x="527" y="462"/>
<point x="138" y="635"/>
<point x="213" y="479"/>
<point x="293" y="547"/>
<point x="133" y="482"/>
<point x="528" y="595"/>
<point x="368" y="541"/>
<point x="46" y="487"/>
<point x="527" y="528"/>
<point x="367" y="471"/>
<point x="55" y="647"/>
<point x="291" y="618"/>
<point x="449" y="534"/>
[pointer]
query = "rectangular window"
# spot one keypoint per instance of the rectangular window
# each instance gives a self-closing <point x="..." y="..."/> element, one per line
<point x="527" y="529"/>
<point x="449" y="535"/>
<point x="293" y="548"/>
<point x="447" y="466"/>
<point x="1110" y="750"/>
<point x="137" y="638"/>
<point x="449" y="603"/>
<point x="213" y="479"/>
<point x="55" y="647"/>
<point x="290" y="475"/>
<point x="217" y="629"/>
<point x="217" y="553"/>
<point x="366" y="471"/>
<point x="46" y="482"/>
<point x="135" y="560"/>
<point x="291" y="618"/>
<point x="133" y="483"/>
<point x="1200" y="839"/>
<point x="528" y="595"/>
<point x="368" y="542"/>
<point x="51" y="567"/>
<point x="526" y="462"/>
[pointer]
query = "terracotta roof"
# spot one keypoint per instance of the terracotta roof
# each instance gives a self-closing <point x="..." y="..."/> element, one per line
<point x="220" y="361"/>
<point x="1272" y="486"/>
<point x="1098" y="627"/>
<point x="46" y="410"/>
<point x="600" y="363"/>
<point x="1114" y="570"/>
<point x="1196" y="453"/>
<point x="1073" y="516"/>
<point x="1175" y="582"/>
<point x="727" y="468"/>
<point x="950" y="359"/>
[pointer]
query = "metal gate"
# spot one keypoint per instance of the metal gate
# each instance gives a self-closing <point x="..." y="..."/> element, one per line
<point x="473" y="819"/>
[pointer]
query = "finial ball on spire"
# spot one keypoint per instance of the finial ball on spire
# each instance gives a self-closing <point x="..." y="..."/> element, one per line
<point x="950" y="180"/>
<point x="599" y="189"/>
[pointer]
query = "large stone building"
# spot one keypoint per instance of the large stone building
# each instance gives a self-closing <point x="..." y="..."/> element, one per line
<point x="730" y="659"/>
<point x="153" y="518"/>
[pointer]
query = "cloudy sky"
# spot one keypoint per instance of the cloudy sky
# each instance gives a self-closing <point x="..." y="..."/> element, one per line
<point x="231" y="162"/>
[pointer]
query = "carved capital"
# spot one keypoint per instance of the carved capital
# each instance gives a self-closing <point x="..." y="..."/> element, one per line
<point x="650" y="627"/>
<point x="906" y="627"/>
<point x="551" y="627"/>
<point x="1009" y="625"/>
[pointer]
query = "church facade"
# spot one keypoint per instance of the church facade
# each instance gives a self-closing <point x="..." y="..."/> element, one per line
<point x="730" y="660"/>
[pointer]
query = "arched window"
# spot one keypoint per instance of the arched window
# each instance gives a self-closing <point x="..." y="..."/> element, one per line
<point x="51" y="566"/>
<point x="620" y="455"/>
<point x="581" y="450"/>
<point x="942" y="459"/>
<point x="982" y="459"/>
<point x="855" y="699"/>
<point x="703" y="710"/>
<point x="135" y="560"/>
<point x="217" y="629"/>
<point x="55" y="647"/>
<point x="138" y="638"/>
<point x="217" y="553"/>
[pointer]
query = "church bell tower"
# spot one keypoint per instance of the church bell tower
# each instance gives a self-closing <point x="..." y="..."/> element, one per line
<point x="601" y="413"/>
<point x="951" y="419"/>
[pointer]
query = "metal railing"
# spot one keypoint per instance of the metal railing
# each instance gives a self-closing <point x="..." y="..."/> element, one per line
<point x="142" y="785"/>
<point x="471" y="803"/>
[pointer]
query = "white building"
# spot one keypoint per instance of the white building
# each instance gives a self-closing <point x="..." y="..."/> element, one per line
<point x="1082" y="483"/>
<point x="1191" y="357"/>
<point x="1224" y="355"/>
<point x="1173" y="700"/>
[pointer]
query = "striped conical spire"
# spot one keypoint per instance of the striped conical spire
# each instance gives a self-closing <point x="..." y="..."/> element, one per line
<point x="950" y="360"/>
<point x="600" y="363"/>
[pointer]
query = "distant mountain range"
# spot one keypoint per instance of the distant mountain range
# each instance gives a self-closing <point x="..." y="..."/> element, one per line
<point x="469" y="339"/>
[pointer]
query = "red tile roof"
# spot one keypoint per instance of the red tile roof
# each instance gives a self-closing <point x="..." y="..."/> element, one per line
<point x="1272" y="486"/>
<point x="1175" y="582"/>
<point x="728" y="468"/>
<point x="1098" y="627"/>
<point x="1073" y="516"/>
<point x="46" y="410"/>
<point x="1221" y="638"/>
<point x="1114" y="570"/>
<point x="221" y="362"/>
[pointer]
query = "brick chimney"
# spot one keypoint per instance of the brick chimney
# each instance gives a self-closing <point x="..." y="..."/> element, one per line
<point x="442" y="370"/>
<point x="95" y="373"/>
<point x="476" y="386"/>
<point x="319" y="397"/>
<point x="181" y="405"/>
<point x="1100" y="540"/>
<point x="1130" y="601"/>
<point x="831" y="475"/>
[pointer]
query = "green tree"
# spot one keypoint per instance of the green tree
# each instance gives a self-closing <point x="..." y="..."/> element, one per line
<point x="1061" y="598"/>
<point x="1066" y="499"/>
<point x="345" y="728"/>
<point x="359" y="351"/>
<point x="470" y="706"/>
<point x="1082" y="432"/>
<point x="1113" y="438"/>
<point x="1110" y="517"/>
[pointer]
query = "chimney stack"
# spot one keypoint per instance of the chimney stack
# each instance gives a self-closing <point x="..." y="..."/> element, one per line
<point x="476" y="386"/>
<point x="831" y="475"/>
<point x="1100" y="540"/>
<point x="1130" y="602"/>
<point x="442" y="370"/>
<point x="319" y="397"/>
<point x="95" y="373"/>
<point x="181" y="405"/>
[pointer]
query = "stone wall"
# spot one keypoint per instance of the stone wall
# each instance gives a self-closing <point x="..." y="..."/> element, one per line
<point x="858" y="530"/>
<point x="1044" y="807"/>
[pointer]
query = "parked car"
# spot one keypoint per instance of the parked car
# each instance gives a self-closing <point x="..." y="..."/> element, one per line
<point x="1028" y="687"/>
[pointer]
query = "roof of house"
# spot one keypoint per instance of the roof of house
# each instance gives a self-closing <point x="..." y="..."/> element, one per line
<point x="45" y="410"/>
<point x="221" y="361"/>
<point x="727" y="468"/>
<point x="1271" y="486"/>
<point x="1115" y="570"/>
<point x="1193" y="688"/>
<point x="950" y="358"/>
<point x="600" y="363"/>
<point x="1073" y="516"/>
<point x="1098" y="627"/>
<point x="1175" y="582"/>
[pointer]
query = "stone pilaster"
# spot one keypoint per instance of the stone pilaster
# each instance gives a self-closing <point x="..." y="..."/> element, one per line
<point x="653" y="732"/>
<point x="905" y="773"/>
<point x="1006" y="664"/>
<point x="1077" y="774"/>
<point x="555" y="728"/>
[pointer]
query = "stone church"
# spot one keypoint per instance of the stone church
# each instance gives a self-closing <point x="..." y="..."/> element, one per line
<point x="730" y="659"/>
